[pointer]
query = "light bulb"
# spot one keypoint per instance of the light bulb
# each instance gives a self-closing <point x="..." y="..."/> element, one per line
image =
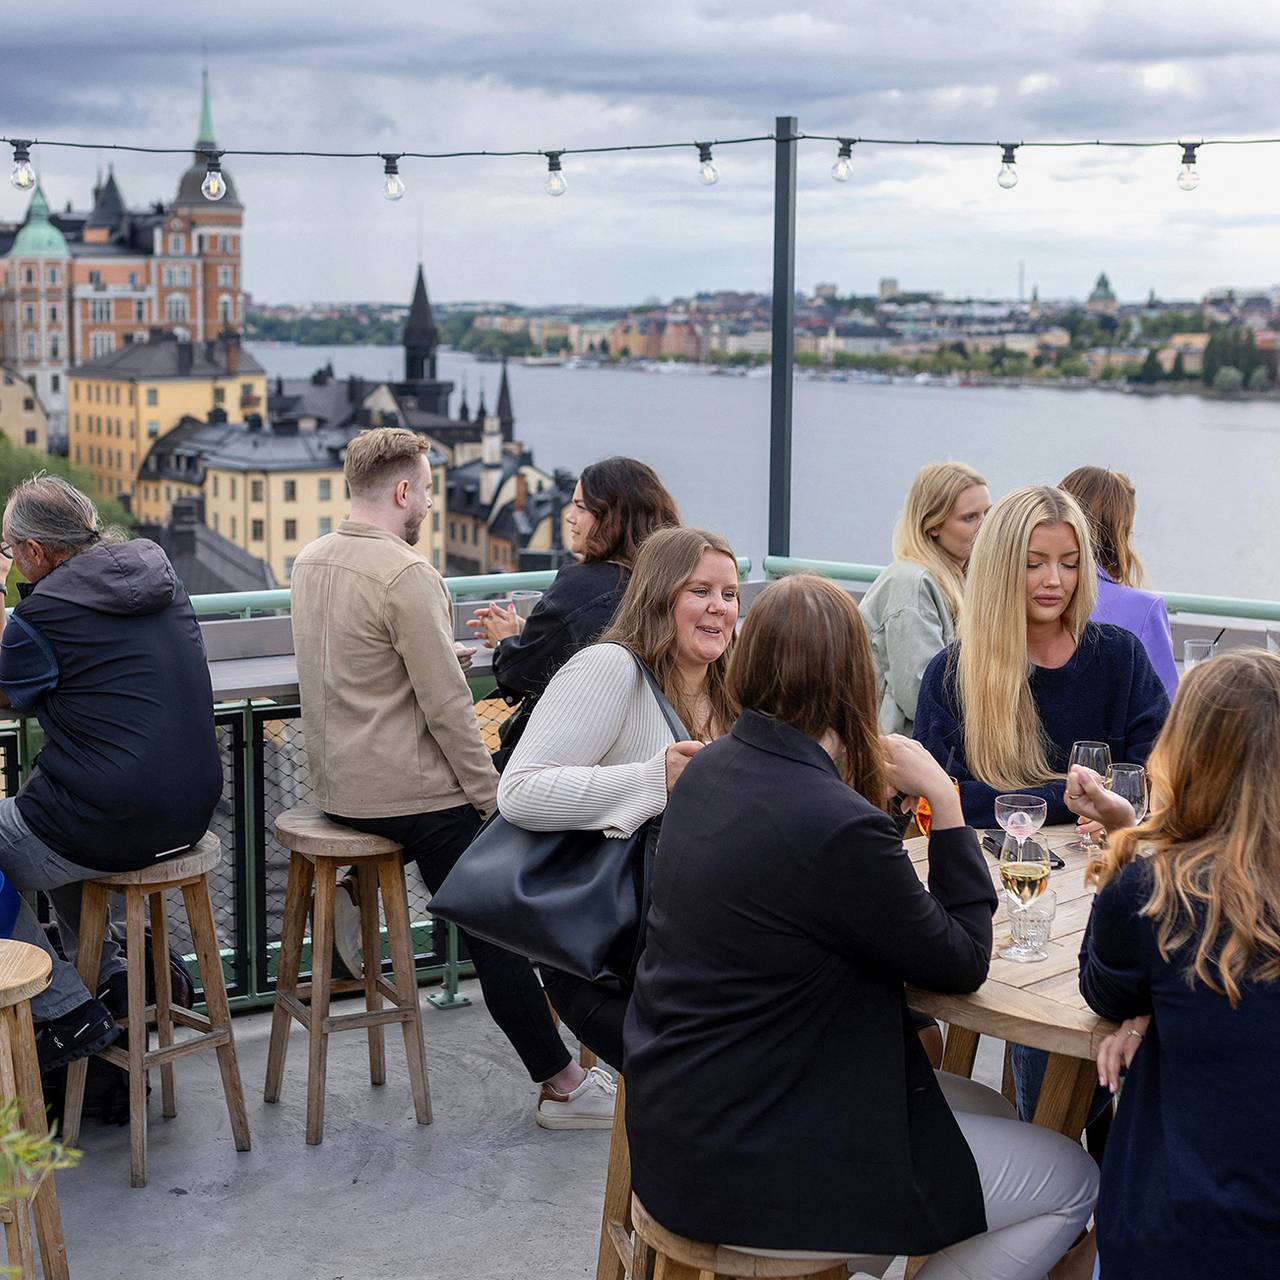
<point x="1188" y="176"/>
<point x="1008" y="175"/>
<point x="392" y="183"/>
<point x="708" y="174"/>
<point x="23" y="176"/>
<point x="840" y="170"/>
<point x="556" y="185"/>
<point x="214" y="185"/>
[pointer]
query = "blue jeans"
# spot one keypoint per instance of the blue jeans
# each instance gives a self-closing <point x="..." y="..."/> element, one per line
<point x="29" y="863"/>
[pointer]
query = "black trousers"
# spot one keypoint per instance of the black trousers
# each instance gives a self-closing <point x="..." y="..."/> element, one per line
<point x="435" y="841"/>
<point x="593" y="1013"/>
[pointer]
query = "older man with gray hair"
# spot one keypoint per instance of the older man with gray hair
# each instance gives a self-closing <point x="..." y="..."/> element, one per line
<point x="104" y="650"/>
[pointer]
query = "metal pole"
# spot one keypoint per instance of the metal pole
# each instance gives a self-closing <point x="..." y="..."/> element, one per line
<point x="784" y="315"/>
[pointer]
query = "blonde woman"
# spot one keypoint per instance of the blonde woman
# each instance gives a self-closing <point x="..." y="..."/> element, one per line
<point x="1185" y="931"/>
<point x="912" y="607"/>
<point x="1109" y="500"/>
<point x="1029" y="674"/>
<point x="598" y="754"/>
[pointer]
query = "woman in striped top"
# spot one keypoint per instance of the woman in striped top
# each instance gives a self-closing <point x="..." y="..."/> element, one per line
<point x="597" y="754"/>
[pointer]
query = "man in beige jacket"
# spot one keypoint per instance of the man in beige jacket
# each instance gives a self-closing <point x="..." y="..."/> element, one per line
<point x="391" y="732"/>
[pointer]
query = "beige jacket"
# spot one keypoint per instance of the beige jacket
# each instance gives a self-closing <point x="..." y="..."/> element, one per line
<point x="386" y="712"/>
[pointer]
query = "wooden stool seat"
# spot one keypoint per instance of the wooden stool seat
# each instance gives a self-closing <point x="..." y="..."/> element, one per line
<point x="675" y="1257"/>
<point x="24" y="972"/>
<point x="319" y="851"/>
<point x="188" y="872"/>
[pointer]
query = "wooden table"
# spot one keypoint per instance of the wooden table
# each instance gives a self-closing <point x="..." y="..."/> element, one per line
<point x="1037" y="1004"/>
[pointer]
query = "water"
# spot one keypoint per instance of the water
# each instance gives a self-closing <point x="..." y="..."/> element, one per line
<point x="1206" y="471"/>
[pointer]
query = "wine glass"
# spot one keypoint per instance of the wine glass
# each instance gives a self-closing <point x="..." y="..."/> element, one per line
<point x="1095" y="756"/>
<point x="1021" y="817"/>
<point x="1024" y="873"/>
<point x="1130" y="781"/>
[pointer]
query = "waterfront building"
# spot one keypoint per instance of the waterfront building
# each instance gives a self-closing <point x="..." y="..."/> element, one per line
<point x="23" y="421"/>
<point x="1103" y="301"/>
<point x="1190" y="346"/>
<point x="77" y="285"/>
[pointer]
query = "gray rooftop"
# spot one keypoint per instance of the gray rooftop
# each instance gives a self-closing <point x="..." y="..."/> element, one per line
<point x="165" y="357"/>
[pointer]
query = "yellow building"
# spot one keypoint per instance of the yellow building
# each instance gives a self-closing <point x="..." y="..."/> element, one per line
<point x="23" y="421"/>
<point x="122" y="403"/>
<point x="268" y="489"/>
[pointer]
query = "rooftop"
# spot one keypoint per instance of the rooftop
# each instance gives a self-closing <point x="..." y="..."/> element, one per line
<point x="163" y="356"/>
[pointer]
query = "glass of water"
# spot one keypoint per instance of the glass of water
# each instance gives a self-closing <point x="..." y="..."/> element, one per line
<point x="1029" y="927"/>
<point x="1194" y="652"/>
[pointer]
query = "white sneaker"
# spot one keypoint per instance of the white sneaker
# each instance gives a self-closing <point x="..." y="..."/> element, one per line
<point x="589" y="1106"/>
<point x="346" y="929"/>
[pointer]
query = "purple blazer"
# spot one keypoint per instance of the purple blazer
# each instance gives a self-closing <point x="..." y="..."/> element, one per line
<point x="1143" y="613"/>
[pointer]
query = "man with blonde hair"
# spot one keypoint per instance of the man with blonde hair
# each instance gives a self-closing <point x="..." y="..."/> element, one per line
<point x="391" y="731"/>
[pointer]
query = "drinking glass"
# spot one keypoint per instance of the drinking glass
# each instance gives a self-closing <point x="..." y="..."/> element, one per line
<point x="1273" y="641"/>
<point x="1029" y="927"/>
<point x="924" y="811"/>
<point x="1095" y="756"/>
<point x="1021" y="817"/>
<point x="1130" y="781"/>
<point x="524" y="601"/>
<point x="1194" y="652"/>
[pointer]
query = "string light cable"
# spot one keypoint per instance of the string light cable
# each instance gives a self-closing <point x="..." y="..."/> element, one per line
<point x="214" y="186"/>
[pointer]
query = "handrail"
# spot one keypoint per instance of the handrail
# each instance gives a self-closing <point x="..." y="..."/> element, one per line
<point x="246" y="603"/>
<point x="1175" y="601"/>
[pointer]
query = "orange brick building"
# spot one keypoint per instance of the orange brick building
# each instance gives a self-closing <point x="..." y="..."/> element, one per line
<point x="78" y="286"/>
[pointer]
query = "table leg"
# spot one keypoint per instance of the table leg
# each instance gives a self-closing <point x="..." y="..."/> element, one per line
<point x="1065" y="1095"/>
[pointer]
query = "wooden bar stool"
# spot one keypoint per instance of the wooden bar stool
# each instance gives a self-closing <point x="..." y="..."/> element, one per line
<point x="319" y="850"/>
<point x="667" y="1256"/>
<point x="24" y="972"/>
<point x="188" y="872"/>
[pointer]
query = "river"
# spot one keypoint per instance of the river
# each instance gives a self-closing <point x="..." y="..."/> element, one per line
<point x="1206" y="470"/>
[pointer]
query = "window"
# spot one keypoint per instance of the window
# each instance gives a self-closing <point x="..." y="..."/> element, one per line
<point x="291" y="491"/>
<point x="175" y="307"/>
<point x="215" y="486"/>
<point x="153" y="396"/>
<point x="153" y="429"/>
<point x="31" y="346"/>
<point x="224" y="243"/>
<point x="101" y="343"/>
<point x="55" y="383"/>
<point x="55" y="347"/>
<point x="182" y="275"/>
<point x="435" y="522"/>
<point x="175" y="244"/>
<point x="233" y="488"/>
<point x="255" y="531"/>
<point x="29" y="276"/>
<point x="233" y="521"/>
<point x="100" y="311"/>
<point x="29" y="314"/>
<point x="52" y="275"/>
<point x="168" y="493"/>
<point x="288" y="566"/>
<point x="168" y="277"/>
<point x="246" y="391"/>
<point x="28" y="404"/>
<point x="215" y="523"/>
<point x="95" y="278"/>
<point x="325" y="490"/>
<point x="53" y="313"/>
<point x="77" y="453"/>
<point x="133" y="279"/>
<point x="224" y="310"/>
<point x="291" y="531"/>
<point x="139" y="312"/>
<point x="75" y="395"/>
<point x="219" y="395"/>
<point x="224" y="277"/>
<point x="326" y="525"/>
<point x="255" y="490"/>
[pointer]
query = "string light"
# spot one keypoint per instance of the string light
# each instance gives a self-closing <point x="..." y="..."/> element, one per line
<point x="708" y="174"/>
<point x="840" y="170"/>
<point x="1188" y="175"/>
<point x="392" y="182"/>
<point x="23" y="176"/>
<point x="1008" y="175"/>
<point x="214" y="185"/>
<point x="556" y="184"/>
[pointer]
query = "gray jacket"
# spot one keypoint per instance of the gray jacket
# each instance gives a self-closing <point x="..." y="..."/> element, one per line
<point x="908" y="619"/>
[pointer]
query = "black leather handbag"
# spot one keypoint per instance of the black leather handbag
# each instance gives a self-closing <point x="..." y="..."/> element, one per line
<point x="575" y="900"/>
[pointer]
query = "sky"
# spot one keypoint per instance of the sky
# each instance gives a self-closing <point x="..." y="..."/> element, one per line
<point x="499" y="75"/>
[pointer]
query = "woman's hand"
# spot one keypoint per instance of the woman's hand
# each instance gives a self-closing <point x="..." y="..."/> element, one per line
<point x="910" y="768"/>
<point x="496" y="623"/>
<point x="678" y="756"/>
<point x="1087" y="797"/>
<point x="1118" y="1050"/>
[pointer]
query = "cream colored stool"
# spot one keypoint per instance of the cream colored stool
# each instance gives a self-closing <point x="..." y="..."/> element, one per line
<point x="24" y="972"/>
<point x="188" y="872"/>
<point x="319" y="850"/>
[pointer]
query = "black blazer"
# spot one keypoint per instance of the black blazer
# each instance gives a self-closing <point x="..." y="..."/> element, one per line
<point x="776" y="1094"/>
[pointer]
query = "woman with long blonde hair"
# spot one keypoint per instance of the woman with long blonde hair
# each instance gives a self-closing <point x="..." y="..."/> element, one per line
<point x="598" y="753"/>
<point x="912" y="607"/>
<point x="1185" y="939"/>
<point x="1109" y="500"/>
<point x="1029" y="674"/>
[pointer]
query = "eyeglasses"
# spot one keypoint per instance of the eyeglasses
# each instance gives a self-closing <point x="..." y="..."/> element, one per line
<point x="6" y="550"/>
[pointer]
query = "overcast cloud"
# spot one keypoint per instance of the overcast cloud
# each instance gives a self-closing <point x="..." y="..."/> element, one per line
<point x="501" y="75"/>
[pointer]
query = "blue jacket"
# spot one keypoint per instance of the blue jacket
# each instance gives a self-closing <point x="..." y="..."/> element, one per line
<point x="106" y="652"/>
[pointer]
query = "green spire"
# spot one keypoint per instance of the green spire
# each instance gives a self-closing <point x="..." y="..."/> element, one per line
<point x="38" y="237"/>
<point x="206" y="116"/>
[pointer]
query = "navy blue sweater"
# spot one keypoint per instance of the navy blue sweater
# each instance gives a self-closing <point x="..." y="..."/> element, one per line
<point x="1190" y="1176"/>
<point x="1108" y="692"/>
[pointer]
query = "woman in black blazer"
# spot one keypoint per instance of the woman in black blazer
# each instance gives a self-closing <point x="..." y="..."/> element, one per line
<point x="777" y="1096"/>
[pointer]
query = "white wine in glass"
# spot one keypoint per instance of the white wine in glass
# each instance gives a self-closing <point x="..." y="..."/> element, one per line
<point x="1095" y="756"/>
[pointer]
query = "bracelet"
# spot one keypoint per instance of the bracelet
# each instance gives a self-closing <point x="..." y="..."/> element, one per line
<point x="1132" y="1032"/>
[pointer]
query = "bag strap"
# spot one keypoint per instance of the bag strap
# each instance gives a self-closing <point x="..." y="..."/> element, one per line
<point x="674" y="723"/>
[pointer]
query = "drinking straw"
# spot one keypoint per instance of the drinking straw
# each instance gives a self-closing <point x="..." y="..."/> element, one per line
<point x="1219" y="636"/>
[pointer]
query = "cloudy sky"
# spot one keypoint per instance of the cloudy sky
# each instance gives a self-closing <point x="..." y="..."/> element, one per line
<point x="495" y="74"/>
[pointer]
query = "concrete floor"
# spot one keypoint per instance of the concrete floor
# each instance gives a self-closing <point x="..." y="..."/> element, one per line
<point x="480" y="1194"/>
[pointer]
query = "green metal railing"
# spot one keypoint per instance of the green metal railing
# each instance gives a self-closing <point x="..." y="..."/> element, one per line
<point x="1175" y="601"/>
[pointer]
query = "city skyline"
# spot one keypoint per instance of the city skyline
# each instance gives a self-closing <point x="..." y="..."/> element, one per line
<point x="632" y="226"/>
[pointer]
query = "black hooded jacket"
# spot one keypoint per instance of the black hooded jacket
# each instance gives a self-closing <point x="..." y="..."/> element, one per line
<point x="106" y="652"/>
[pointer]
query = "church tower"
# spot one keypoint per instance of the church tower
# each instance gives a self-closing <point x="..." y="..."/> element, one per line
<point x="421" y="338"/>
<point x="506" y="418"/>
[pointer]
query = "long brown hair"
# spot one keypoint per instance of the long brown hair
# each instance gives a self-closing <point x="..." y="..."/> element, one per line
<point x="1211" y="838"/>
<point x="645" y="621"/>
<point x="1109" y="500"/>
<point x="628" y="502"/>
<point x="804" y="657"/>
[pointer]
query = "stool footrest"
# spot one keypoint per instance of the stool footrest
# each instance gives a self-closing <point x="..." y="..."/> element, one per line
<point x="169" y="1053"/>
<point x="365" y="1018"/>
